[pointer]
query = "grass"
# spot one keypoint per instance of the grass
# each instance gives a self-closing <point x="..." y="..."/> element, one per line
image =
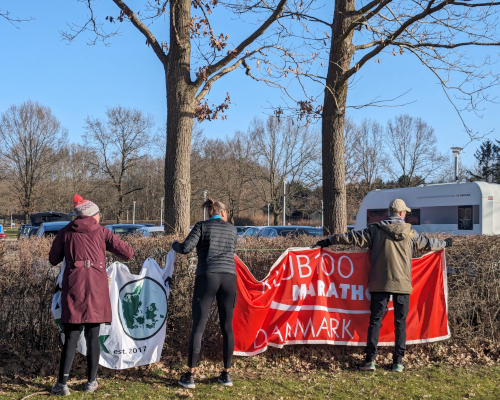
<point x="11" y="233"/>
<point x="438" y="382"/>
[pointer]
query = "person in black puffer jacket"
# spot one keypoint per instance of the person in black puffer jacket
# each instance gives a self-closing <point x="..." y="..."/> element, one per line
<point x="215" y="242"/>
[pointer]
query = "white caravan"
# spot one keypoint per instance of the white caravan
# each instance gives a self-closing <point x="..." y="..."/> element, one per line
<point x="457" y="207"/>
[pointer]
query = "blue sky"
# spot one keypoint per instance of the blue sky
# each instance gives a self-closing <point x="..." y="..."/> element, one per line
<point x="78" y="80"/>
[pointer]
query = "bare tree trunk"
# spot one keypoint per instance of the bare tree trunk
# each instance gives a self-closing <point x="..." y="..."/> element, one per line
<point x="119" y="214"/>
<point x="334" y="190"/>
<point x="180" y="110"/>
<point x="276" y="221"/>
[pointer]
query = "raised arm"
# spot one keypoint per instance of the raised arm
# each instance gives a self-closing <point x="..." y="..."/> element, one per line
<point x="422" y="242"/>
<point x="361" y="238"/>
<point x="191" y="241"/>
<point x="56" y="254"/>
<point x="117" y="246"/>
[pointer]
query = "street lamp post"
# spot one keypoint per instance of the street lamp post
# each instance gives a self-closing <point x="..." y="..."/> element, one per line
<point x="456" y="152"/>
<point x="322" y="218"/>
<point x="284" y="201"/>
<point x="268" y="214"/>
<point x="133" y="215"/>
<point x="204" y="208"/>
<point x="127" y="216"/>
<point x="161" y="211"/>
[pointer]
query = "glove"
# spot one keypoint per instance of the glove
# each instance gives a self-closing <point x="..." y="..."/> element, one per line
<point x="174" y="243"/>
<point x="449" y="242"/>
<point x="323" y="243"/>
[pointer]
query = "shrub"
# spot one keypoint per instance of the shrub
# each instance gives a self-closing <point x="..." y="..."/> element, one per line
<point x="27" y="284"/>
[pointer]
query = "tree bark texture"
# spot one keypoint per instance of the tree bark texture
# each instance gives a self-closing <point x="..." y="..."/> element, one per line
<point x="180" y="109"/>
<point x="334" y="190"/>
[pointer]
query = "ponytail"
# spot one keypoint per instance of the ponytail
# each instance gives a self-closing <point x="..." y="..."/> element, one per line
<point x="214" y="207"/>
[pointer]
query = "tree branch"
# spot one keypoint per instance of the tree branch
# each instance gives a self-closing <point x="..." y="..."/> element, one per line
<point x="239" y="49"/>
<point x="144" y="30"/>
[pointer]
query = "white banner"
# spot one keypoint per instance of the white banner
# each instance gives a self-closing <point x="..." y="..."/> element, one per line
<point x="139" y="308"/>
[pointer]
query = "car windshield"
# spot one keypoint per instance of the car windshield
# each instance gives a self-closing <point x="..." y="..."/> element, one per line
<point x="122" y="230"/>
<point x="300" y="231"/>
<point x="241" y="229"/>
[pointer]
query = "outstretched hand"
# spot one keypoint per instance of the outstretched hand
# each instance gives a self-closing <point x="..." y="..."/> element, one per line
<point x="323" y="243"/>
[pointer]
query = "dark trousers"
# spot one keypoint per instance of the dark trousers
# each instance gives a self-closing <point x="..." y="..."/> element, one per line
<point x="206" y="288"/>
<point x="72" y="334"/>
<point x="378" y="308"/>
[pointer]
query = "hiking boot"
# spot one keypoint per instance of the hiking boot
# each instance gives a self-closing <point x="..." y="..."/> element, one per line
<point x="398" y="367"/>
<point x="91" y="387"/>
<point x="187" y="380"/>
<point x="367" y="366"/>
<point x="60" y="390"/>
<point x="225" y="379"/>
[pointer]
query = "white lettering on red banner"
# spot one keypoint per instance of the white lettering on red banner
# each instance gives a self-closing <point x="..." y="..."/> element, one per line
<point x="314" y="296"/>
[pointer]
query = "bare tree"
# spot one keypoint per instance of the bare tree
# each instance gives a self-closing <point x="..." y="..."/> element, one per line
<point x="414" y="156"/>
<point x="194" y="58"/>
<point x="31" y="143"/>
<point x="351" y="150"/>
<point x="119" y="145"/>
<point x="371" y="152"/>
<point x="286" y="151"/>
<point x="435" y="33"/>
<point x="228" y="170"/>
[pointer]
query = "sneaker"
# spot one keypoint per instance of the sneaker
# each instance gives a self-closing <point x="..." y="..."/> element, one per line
<point x="225" y="379"/>
<point x="367" y="366"/>
<point x="91" y="387"/>
<point x="187" y="380"/>
<point x="398" y="367"/>
<point x="60" y="390"/>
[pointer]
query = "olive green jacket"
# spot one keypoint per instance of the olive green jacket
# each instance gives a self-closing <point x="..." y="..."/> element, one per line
<point x="390" y="243"/>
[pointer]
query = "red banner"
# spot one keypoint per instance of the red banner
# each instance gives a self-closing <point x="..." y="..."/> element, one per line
<point x="314" y="296"/>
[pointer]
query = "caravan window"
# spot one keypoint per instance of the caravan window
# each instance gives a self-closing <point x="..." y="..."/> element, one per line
<point x="376" y="215"/>
<point x="465" y="218"/>
<point x="413" y="217"/>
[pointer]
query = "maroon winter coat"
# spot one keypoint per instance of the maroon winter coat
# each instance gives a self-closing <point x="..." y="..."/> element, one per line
<point x="85" y="292"/>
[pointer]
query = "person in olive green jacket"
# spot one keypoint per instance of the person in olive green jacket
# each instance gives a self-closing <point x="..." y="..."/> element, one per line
<point x="390" y="243"/>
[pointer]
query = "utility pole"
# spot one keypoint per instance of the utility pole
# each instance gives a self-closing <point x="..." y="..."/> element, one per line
<point x="322" y="218"/>
<point x="284" y="201"/>
<point x="204" y="208"/>
<point x="133" y="215"/>
<point x="127" y="216"/>
<point x="456" y="152"/>
<point x="268" y="214"/>
<point x="161" y="211"/>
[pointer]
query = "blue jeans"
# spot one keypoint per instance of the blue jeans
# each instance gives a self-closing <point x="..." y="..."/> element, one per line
<point x="378" y="308"/>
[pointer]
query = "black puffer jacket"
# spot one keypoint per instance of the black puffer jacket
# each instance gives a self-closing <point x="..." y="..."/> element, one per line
<point x="215" y="242"/>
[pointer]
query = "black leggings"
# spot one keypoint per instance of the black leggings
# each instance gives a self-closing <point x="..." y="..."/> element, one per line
<point x="206" y="287"/>
<point x="72" y="334"/>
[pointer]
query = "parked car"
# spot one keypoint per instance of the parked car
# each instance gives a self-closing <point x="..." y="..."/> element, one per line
<point x="50" y="228"/>
<point x="242" y="229"/>
<point x="155" y="230"/>
<point x="3" y="235"/>
<point x="31" y="231"/>
<point x="50" y="216"/>
<point x="128" y="229"/>
<point x="253" y="231"/>
<point x="275" y="231"/>
<point x="148" y="224"/>
<point x="23" y="231"/>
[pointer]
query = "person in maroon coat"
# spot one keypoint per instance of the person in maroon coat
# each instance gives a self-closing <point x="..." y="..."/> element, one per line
<point x="85" y="293"/>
